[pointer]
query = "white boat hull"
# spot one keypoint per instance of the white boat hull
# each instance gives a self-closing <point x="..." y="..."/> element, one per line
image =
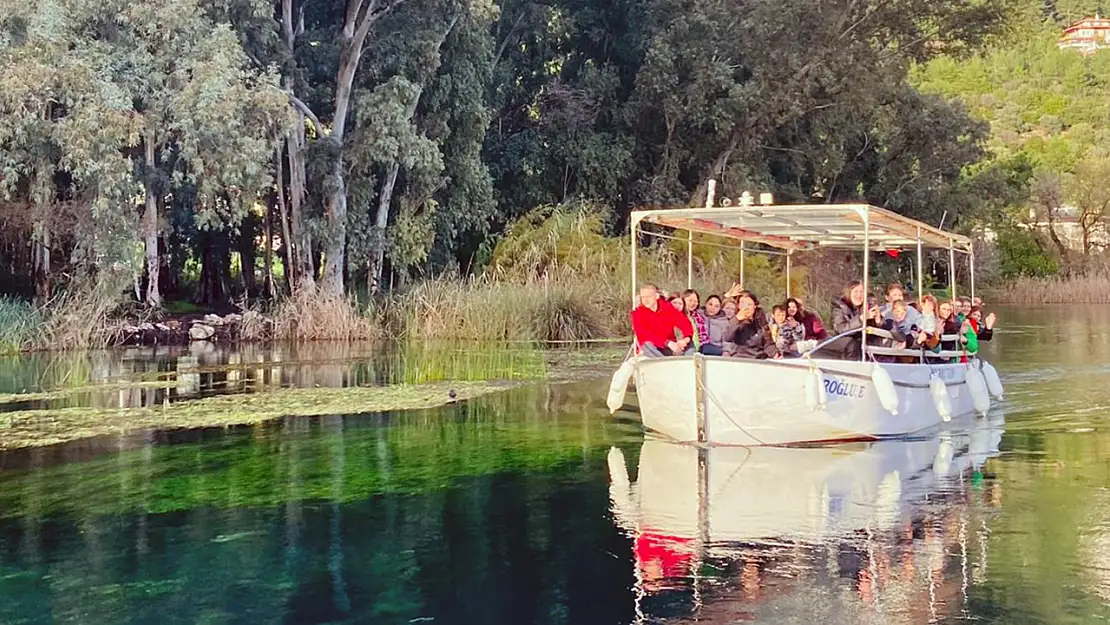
<point x="729" y="401"/>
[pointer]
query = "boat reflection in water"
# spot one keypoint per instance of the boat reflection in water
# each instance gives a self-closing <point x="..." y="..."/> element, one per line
<point x="890" y="532"/>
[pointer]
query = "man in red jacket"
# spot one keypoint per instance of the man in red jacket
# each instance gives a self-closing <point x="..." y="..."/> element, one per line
<point x="660" y="330"/>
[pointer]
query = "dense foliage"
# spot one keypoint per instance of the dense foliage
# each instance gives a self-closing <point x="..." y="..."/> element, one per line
<point x="1049" y="149"/>
<point x="208" y="149"/>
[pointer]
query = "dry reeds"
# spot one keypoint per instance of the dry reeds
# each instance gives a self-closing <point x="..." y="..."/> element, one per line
<point x="309" y="315"/>
<point x="79" y="317"/>
<point x="1089" y="288"/>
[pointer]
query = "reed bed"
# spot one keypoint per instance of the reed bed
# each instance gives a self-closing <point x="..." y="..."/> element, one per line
<point x="19" y="325"/>
<point x="313" y="316"/>
<point x="1089" y="288"/>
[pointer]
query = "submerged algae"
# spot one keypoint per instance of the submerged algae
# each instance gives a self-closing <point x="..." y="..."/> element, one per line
<point x="35" y="428"/>
<point x="412" y="376"/>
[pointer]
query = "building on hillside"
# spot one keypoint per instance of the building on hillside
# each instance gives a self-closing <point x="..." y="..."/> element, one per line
<point x="1087" y="36"/>
<point x="1068" y="229"/>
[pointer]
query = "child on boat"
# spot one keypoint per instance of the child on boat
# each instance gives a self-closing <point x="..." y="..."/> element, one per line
<point x="786" y="332"/>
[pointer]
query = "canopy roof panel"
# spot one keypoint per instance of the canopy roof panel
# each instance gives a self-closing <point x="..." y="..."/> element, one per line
<point x="808" y="226"/>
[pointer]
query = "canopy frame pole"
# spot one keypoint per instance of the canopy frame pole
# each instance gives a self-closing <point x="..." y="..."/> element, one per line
<point x="722" y="246"/>
<point x="920" y="269"/>
<point x="635" y="283"/>
<point x="971" y="269"/>
<point x="741" y="262"/>
<point x="952" y="269"/>
<point x="689" y="259"/>
<point x="788" y="274"/>
<point x="866" y="280"/>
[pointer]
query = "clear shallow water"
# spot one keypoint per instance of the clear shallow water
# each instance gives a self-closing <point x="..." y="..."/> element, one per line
<point x="534" y="506"/>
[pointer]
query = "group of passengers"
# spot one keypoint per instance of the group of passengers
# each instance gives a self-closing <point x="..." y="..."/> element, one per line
<point x="735" y="325"/>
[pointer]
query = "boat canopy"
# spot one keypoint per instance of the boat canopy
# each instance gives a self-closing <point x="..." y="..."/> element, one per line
<point x="790" y="228"/>
<point x="806" y="227"/>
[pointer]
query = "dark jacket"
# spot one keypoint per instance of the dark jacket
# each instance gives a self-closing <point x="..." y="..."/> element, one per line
<point x="752" y="338"/>
<point x="849" y="317"/>
<point x="845" y="317"/>
<point x="812" y="323"/>
<point x="951" y="326"/>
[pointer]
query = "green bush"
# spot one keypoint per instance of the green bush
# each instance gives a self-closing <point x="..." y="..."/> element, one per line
<point x="1019" y="256"/>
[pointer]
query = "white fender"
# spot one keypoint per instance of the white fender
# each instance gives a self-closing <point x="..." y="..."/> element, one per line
<point x="940" y="397"/>
<point x="888" y="397"/>
<point x="815" y="389"/>
<point x="977" y="386"/>
<point x="994" y="384"/>
<point x="619" y="385"/>
<point x="942" y="462"/>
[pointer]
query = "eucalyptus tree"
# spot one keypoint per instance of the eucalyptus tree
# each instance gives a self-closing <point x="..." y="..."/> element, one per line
<point x="145" y="97"/>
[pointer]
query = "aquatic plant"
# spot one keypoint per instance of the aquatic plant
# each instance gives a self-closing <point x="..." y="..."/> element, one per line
<point x="19" y="325"/>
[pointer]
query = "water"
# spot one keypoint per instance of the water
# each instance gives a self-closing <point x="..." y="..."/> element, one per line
<point x="534" y="506"/>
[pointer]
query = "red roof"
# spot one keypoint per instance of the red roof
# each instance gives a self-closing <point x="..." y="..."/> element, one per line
<point x="1093" y="23"/>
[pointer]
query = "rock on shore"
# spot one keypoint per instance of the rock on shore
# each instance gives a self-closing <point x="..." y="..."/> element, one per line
<point x="250" y="326"/>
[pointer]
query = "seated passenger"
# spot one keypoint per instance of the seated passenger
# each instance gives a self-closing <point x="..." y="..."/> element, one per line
<point x="718" y="322"/>
<point x="929" y="321"/>
<point x="697" y="318"/>
<point x="895" y="293"/>
<point x="848" y="315"/>
<point x="984" y="327"/>
<point x="814" y="329"/>
<point x="660" y="329"/>
<point x="953" y="325"/>
<point x="786" y="332"/>
<point x="750" y="336"/>
<point x="905" y="335"/>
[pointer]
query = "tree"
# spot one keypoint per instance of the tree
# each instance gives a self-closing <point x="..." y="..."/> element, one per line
<point x="1089" y="193"/>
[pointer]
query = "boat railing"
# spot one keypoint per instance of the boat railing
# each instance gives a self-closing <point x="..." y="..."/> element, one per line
<point x="902" y="352"/>
<point x="832" y="339"/>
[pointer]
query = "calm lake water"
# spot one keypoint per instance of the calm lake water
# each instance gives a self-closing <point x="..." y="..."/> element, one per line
<point x="535" y="506"/>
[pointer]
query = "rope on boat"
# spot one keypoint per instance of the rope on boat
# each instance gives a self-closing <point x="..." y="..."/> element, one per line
<point x="701" y="385"/>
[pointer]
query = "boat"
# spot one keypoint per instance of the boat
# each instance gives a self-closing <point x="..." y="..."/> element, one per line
<point x="697" y="514"/>
<point x="712" y="400"/>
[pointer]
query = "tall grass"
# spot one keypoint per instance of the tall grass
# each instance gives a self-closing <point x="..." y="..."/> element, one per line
<point x="1088" y="288"/>
<point x="20" y="325"/>
<point x="489" y="309"/>
<point x="311" y="315"/>
<point x="80" y="317"/>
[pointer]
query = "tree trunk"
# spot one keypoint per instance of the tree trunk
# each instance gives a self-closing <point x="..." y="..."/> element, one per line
<point x="305" y="269"/>
<point x="150" y="227"/>
<point x="268" y="257"/>
<point x="360" y="17"/>
<point x="215" y="269"/>
<point x="246" y="256"/>
<point x="336" y="204"/>
<point x="335" y="245"/>
<point x="381" y="221"/>
<point x="286" y="238"/>
<point x="299" y="269"/>
<point x="40" y="252"/>
<point x="717" y="169"/>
